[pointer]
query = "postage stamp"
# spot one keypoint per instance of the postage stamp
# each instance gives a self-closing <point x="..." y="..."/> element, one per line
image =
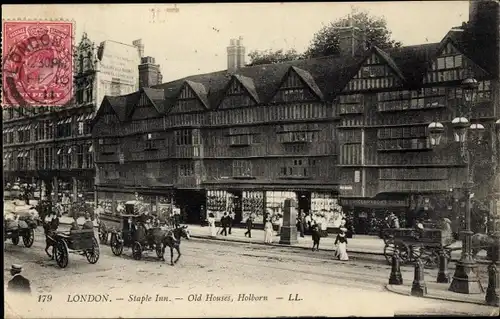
<point x="37" y="68"/>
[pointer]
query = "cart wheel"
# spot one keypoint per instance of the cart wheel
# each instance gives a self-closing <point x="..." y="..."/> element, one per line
<point x="137" y="250"/>
<point x="29" y="238"/>
<point x="116" y="244"/>
<point x="430" y="259"/>
<point x="404" y="251"/>
<point x="159" y="250"/>
<point x="61" y="254"/>
<point x="93" y="253"/>
<point x="15" y="239"/>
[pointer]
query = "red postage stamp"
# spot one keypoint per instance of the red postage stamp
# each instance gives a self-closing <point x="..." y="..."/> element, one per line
<point x="37" y="67"/>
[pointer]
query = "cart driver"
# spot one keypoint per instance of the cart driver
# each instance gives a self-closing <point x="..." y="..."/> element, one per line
<point x="88" y="224"/>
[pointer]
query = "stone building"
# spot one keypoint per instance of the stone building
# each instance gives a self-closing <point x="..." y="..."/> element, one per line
<point x="52" y="146"/>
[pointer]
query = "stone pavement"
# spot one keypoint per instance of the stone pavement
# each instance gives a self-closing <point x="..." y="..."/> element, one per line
<point x="438" y="291"/>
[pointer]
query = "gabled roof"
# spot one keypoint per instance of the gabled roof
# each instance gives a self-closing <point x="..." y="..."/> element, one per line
<point x="309" y="80"/>
<point x="387" y="58"/>
<point x="156" y="97"/>
<point x="200" y="91"/>
<point x="249" y="86"/>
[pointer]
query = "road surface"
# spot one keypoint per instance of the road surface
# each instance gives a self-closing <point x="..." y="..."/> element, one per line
<point x="286" y="282"/>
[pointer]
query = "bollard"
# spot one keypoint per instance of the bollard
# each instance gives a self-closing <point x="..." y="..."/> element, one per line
<point x="493" y="284"/>
<point x="395" y="278"/>
<point x="443" y="276"/>
<point x="418" y="288"/>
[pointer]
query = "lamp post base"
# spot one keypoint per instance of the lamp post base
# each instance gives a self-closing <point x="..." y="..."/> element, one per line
<point x="465" y="279"/>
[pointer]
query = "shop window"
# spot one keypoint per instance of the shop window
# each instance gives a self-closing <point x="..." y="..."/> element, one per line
<point x="242" y="168"/>
<point x="186" y="169"/>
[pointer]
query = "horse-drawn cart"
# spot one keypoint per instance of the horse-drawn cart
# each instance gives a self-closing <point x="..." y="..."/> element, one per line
<point x="19" y="224"/>
<point x="132" y="236"/>
<point x="413" y="243"/>
<point x="82" y="242"/>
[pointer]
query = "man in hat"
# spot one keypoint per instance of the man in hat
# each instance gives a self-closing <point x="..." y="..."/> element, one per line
<point x="18" y="283"/>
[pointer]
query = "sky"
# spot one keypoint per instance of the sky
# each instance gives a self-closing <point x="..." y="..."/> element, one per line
<point x="193" y="40"/>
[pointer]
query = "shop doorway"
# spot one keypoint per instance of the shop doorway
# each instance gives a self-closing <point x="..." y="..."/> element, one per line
<point x="304" y="201"/>
<point x="237" y="205"/>
<point x="190" y="202"/>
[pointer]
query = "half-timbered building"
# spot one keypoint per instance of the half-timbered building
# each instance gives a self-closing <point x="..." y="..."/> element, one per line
<point x="347" y="130"/>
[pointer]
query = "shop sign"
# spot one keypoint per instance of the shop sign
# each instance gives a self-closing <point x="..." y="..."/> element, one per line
<point x="346" y="187"/>
<point x="374" y="203"/>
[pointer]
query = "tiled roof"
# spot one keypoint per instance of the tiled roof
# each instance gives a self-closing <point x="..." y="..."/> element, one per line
<point x="326" y="76"/>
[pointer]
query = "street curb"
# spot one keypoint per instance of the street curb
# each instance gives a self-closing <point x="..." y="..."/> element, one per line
<point x="389" y="288"/>
<point x="357" y="252"/>
<point x="283" y="245"/>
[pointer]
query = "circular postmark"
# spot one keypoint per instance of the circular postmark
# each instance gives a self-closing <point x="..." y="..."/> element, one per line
<point x="37" y="64"/>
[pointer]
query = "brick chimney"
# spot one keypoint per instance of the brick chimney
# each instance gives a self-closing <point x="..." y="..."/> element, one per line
<point x="352" y="40"/>
<point x="149" y="72"/>
<point x="140" y="47"/>
<point x="235" y="55"/>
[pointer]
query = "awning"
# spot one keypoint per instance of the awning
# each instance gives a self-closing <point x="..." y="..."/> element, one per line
<point x="6" y="156"/>
<point x="70" y="149"/>
<point x="81" y="117"/>
<point x="68" y="120"/>
<point x="60" y="122"/>
<point x="28" y="127"/>
<point x="89" y="116"/>
<point x="91" y="148"/>
<point x="26" y="154"/>
<point x="59" y="151"/>
<point x="20" y="154"/>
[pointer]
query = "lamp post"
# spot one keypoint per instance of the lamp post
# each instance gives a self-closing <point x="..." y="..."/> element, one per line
<point x="465" y="279"/>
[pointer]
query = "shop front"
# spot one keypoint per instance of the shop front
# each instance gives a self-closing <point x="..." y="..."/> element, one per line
<point x="368" y="215"/>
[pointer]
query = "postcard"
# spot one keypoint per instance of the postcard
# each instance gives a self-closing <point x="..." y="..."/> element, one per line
<point x="251" y="159"/>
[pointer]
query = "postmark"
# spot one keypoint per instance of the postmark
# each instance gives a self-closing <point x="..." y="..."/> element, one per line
<point x="37" y="68"/>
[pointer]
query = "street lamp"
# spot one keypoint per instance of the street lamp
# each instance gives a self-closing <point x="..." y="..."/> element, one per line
<point x="465" y="279"/>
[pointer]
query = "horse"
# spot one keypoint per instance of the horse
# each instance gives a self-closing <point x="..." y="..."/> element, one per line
<point x="482" y="242"/>
<point x="49" y="228"/>
<point x="162" y="238"/>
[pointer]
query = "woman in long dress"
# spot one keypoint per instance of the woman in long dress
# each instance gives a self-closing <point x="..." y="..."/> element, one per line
<point x="268" y="232"/>
<point x="341" y="243"/>
<point x="211" y="224"/>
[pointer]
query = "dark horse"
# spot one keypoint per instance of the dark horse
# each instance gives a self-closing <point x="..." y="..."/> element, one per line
<point x="162" y="238"/>
<point x="49" y="229"/>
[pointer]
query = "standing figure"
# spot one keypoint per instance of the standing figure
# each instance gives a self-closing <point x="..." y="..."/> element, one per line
<point x="316" y="236"/>
<point x="203" y="215"/>
<point x="211" y="225"/>
<point x="249" y="226"/>
<point x="18" y="283"/>
<point x="230" y="220"/>
<point x="280" y="224"/>
<point x="224" y="223"/>
<point x="268" y="231"/>
<point x="300" y="223"/>
<point x="308" y="221"/>
<point x="341" y="243"/>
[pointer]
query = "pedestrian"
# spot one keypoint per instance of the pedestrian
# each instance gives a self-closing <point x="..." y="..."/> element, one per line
<point x="203" y="215"/>
<point x="230" y="220"/>
<point x="268" y="231"/>
<point x="18" y="283"/>
<point x="249" y="226"/>
<point x="88" y="224"/>
<point x="211" y="225"/>
<point x="300" y="223"/>
<point x="280" y="224"/>
<point x="307" y="221"/>
<point x="316" y="236"/>
<point x="224" y="223"/>
<point x="341" y="245"/>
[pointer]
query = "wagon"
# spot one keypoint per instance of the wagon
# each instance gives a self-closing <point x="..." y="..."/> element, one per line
<point x="413" y="244"/>
<point x="82" y="242"/>
<point x="127" y="237"/>
<point x="24" y="227"/>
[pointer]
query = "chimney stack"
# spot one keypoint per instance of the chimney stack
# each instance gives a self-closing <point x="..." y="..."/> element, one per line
<point x="352" y="40"/>
<point x="235" y="55"/>
<point x="140" y="47"/>
<point x="149" y="72"/>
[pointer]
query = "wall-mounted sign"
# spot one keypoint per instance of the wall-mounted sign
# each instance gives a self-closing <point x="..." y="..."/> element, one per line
<point x="346" y="187"/>
<point x="374" y="203"/>
<point x="357" y="176"/>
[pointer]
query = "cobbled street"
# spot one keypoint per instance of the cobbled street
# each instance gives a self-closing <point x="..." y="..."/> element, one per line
<point x="348" y="288"/>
